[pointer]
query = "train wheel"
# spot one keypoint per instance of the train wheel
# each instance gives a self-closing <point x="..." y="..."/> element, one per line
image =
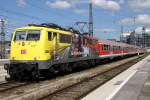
<point x="85" y="64"/>
<point x="35" y="74"/>
<point x="92" y="63"/>
<point x="65" y="68"/>
<point x="20" y="77"/>
<point x="12" y="75"/>
<point x="69" y="68"/>
<point x="8" y="78"/>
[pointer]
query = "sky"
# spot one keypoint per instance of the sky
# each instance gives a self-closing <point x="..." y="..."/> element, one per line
<point x="108" y="15"/>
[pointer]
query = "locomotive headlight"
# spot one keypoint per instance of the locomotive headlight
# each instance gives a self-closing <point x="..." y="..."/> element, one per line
<point x="13" y="58"/>
<point x="46" y="51"/>
<point x="35" y="58"/>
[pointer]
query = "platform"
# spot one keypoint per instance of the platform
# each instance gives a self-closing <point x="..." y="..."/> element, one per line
<point x="3" y="72"/>
<point x="132" y="84"/>
<point x="3" y="61"/>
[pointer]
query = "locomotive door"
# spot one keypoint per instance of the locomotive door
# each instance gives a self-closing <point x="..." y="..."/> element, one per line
<point x="55" y="43"/>
<point x="111" y="50"/>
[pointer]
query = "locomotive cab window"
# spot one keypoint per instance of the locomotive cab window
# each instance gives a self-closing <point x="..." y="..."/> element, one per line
<point x="33" y="35"/>
<point x="20" y="36"/>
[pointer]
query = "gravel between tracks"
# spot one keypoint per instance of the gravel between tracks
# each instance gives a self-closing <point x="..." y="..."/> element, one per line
<point x="39" y="90"/>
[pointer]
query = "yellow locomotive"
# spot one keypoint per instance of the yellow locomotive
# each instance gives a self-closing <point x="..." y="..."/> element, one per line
<point x="34" y="47"/>
<point x="38" y="43"/>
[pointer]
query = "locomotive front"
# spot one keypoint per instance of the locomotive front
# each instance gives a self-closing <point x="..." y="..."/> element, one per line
<point x="27" y="52"/>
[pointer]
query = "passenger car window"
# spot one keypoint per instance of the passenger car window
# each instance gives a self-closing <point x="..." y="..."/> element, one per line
<point x="105" y="47"/>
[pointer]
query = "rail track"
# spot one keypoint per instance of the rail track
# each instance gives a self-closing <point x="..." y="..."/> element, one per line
<point x="68" y="87"/>
<point x="79" y="90"/>
<point x="4" y="86"/>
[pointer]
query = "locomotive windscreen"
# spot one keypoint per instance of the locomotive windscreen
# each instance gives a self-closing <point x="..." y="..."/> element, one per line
<point x="30" y="35"/>
<point x="20" y="35"/>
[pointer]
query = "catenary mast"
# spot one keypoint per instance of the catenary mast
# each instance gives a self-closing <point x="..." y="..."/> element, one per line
<point x="90" y="19"/>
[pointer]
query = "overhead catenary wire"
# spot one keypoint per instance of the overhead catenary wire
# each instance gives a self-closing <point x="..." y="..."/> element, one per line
<point x="3" y="16"/>
<point x="30" y="16"/>
<point x="47" y="10"/>
<point x="21" y="14"/>
<point x="34" y="17"/>
<point x="8" y="17"/>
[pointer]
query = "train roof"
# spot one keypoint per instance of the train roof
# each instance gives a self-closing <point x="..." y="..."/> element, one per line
<point x="113" y="43"/>
<point x="42" y="28"/>
<point x="59" y="29"/>
<point x="91" y="37"/>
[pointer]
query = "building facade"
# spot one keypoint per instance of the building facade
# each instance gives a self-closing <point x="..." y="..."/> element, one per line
<point x="140" y="37"/>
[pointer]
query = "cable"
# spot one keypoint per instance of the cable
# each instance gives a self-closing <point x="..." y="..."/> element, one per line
<point x="3" y="16"/>
<point x="21" y="14"/>
<point x="58" y="14"/>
